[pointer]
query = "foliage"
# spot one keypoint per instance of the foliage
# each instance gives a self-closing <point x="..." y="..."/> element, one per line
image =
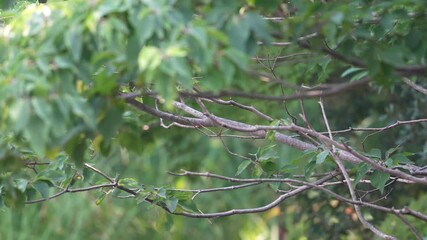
<point x="89" y="89"/>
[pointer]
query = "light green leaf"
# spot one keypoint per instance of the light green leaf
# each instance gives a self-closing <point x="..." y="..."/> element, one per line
<point x="20" y="114"/>
<point x="243" y="166"/>
<point x="374" y="153"/>
<point x="21" y="184"/>
<point x="320" y="158"/>
<point x="171" y="204"/>
<point x="101" y="198"/>
<point x="129" y="183"/>
<point x="42" y="187"/>
<point x="176" y="51"/>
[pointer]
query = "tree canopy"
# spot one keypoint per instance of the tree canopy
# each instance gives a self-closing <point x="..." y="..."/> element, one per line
<point x="307" y="104"/>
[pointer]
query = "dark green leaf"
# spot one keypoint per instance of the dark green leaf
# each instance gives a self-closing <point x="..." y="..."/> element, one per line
<point x="362" y="169"/>
<point x="379" y="179"/>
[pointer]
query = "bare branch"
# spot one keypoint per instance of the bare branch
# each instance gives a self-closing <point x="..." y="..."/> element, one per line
<point x="242" y="106"/>
<point x="414" y="85"/>
<point x="301" y="95"/>
<point x="264" y="208"/>
<point x="218" y="189"/>
<point x="410" y="226"/>
<point x="379" y="129"/>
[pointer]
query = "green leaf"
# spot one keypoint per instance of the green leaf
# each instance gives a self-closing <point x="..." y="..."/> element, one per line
<point x="237" y="57"/>
<point x="379" y="179"/>
<point x="400" y="158"/>
<point x="74" y="41"/>
<point x="180" y="195"/>
<point x="43" y="110"/>
<point x="288" y="168"/>
<point x="309" y="168"/>
<point x="20" y="114"/>
<point x="129" y="183"/>
<point x="51" y="175"/>
<point x="268" y="154"/>
<point x="306" y="157"/>
<point x="37" y="135"/>
<point x="161" y="193"/>
<point x="101" y="198"/>
<point x="374" y="153"/>
<point x="227" y="68"/>
<point x="269" y="167"/>
<point x="149" y="58"/>
<point x="242" y="166"/>
<point x="350" y="71"/>
<point x="259" y="26"/>
<point x="362" y="169"/>
<point x="176" y="51"/>
<point x="42" y="187"/>
<point x="271" y="135"/>
<point x="112" y="121"/>
<point x="238" y="32"/>
<point x="320" y="158"/>
<point x="13" y="198"/>
<point x="275" y="186"/>
<point x="21" y="184"/>
<point x="171" y="204"/>
<point x="200" y="35"/>
<point x="257" y="171"/>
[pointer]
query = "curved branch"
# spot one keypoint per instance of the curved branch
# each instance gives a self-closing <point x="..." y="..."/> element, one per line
<point x="302" y="95"/>
<point x="264" y="208"/>
<point x="414" y="85"/>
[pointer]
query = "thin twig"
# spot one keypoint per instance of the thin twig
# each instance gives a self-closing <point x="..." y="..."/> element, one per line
<point x="414" y="85"/>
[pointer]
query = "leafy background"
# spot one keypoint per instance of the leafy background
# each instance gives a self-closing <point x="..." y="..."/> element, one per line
<point x="86" y="119"/>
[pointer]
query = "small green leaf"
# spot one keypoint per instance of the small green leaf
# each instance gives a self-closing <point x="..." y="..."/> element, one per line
<point x="362" y="169"/>
<point x="42" y="187"/>
<point x="269" y="166"/>
<point x="320" y="158"/>
<point x="400" y="158"/>
<point x="161" y="193"/>
<point x="237" y="57"/>
<point x="374" y="153"/>
<point x="51" y="175"/>
<point x="351" y="70"/>
<point x="379" y="179"/>
<point x="243" y="166"/>
<point x="271" y="135"/>
<point x="181" y="196"/>
<point x="21" y="184"/>
<point x="275" y="186"/>
<point x="171" y="203"/>
<point x="257" y="171"/>
<point x="74" y="41"/>
<point x="200" y="35"/>
<point x="149" y="58"/>
<point x="20" y="114"/>
<point x="101" y="198"/>
<point x="288" y="168"/>
<point x="268" y="154"/>
<point x="141" y="197"/>
<point x="128" y="183"/>
<point x="307" y="156"/>
<point x="309" y="168"/>
<point x="176" y="51"/>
